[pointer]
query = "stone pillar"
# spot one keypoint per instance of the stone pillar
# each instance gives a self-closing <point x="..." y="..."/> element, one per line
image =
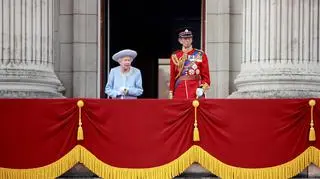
<point x="26" y="49"/>
<point x="86" y="61"/>
<point x="280" y="57"/>
<point x="218" y="46"/>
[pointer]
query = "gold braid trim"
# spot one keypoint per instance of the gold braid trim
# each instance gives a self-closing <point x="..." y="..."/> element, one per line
<point x="175" y="59"/>
<point x="179" y="63"/>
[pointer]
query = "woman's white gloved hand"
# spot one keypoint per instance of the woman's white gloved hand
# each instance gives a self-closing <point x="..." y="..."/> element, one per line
<point x="123" y="90"/>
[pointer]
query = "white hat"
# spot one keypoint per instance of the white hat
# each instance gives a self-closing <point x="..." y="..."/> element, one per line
<point x="124" y="53"/>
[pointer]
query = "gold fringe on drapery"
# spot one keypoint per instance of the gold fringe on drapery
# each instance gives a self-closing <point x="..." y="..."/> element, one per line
<point x="197" y="154"/>
<point x="50" y="171"/>
<point x="286" y="170"/>
<point x="165" y="171"/>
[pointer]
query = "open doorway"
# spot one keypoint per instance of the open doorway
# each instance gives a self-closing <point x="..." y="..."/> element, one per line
<point x="150" y="28"/>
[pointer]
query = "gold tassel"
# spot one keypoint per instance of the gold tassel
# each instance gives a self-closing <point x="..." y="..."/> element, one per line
<point x="80" y="133"/>
<point x="312" y="132"/>
<point x="80" y="136"/>
<point x="196" y="135"/>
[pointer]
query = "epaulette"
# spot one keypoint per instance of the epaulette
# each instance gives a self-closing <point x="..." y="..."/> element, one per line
<point x="174" y="59"/>
<point x="175" y="52"/>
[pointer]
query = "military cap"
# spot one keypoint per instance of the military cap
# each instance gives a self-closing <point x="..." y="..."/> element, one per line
<point x="185" y="33"/>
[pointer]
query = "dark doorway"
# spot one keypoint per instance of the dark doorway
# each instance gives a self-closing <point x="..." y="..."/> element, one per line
<point x="150" y="28"/>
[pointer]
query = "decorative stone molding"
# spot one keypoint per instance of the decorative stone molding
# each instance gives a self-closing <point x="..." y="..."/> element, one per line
<point x="280" y="57"/>
<point x="26" y="49"/>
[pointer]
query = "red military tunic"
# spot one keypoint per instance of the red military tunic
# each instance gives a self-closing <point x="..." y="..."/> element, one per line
<point x="188" y="71"/>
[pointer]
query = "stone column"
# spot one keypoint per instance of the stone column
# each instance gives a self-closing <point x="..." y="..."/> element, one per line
<point x="280" y="57"/>
<point x="85" y="49"/>
<point x="26" y="49"/>
<point x="218" y="46"/>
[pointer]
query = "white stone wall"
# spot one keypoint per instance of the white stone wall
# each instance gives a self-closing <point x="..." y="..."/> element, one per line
<point x="63" y="30"/>
<point x="76" y="46"/>
<point x="235" y="41"/>
<point x="224" y="23"/>
<point x="85" y="52"/>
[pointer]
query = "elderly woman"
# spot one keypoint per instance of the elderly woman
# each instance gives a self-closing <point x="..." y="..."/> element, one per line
<point x="124" y="81"/>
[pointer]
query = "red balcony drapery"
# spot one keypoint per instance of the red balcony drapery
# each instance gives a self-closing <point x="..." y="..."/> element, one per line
<point x="143" y="138"/>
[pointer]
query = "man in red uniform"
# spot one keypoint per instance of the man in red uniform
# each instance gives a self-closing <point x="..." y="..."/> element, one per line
<point x="189" y="70"/>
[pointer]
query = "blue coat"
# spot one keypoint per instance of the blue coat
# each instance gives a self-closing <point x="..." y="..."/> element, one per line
<point x="131" y="80"/>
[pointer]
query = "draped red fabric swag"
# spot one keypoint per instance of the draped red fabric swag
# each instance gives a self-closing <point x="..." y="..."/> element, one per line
<point x="137" y="134"/>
